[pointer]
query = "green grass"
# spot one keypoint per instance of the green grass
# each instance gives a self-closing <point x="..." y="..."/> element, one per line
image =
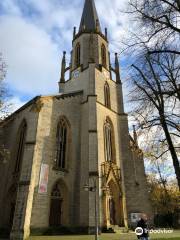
<point x="130" y="236"/>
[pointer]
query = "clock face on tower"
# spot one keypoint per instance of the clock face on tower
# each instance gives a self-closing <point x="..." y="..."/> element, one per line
<point x="76" y="74"/>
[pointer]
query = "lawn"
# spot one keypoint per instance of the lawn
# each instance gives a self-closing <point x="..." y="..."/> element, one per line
<point x="125" y="236"/>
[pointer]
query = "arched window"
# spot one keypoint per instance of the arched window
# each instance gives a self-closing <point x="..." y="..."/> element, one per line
<point x="78" y="55"/>
<point x="109" y="142"/>
<point x="107" y="98"/>
<point x="56" y="193"/>
<point x="103" y="55"/>
<point x="62" y="144"/>
<point x="20" y="145"/>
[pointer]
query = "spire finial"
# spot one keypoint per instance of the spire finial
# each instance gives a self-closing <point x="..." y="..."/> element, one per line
<point x="63" y="68"/>
<point x="97" y="25"/>
<point x="106" y="33"/>
<point x="118" y="80"/>
<point x="74" y="32"/>
<point x="110" y="67"/>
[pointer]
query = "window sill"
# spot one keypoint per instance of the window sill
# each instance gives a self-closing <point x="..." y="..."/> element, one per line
<point x="64" y="170"/>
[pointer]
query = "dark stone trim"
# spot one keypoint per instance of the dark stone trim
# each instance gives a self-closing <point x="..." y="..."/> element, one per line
<point x="88" y="98"/>
<point x="119" y="114"/>
<point x="71" y="94"/>
<point x="90" y="32"/>
<point x="60" y="169"/>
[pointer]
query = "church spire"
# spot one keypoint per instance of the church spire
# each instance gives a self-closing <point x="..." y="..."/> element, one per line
<point x="135" y="135"/>
<point x="89" y="21"/>
<point x="63" y="68"/>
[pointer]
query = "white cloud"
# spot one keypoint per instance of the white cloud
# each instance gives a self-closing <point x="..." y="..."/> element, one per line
<point x="15" y="103"/>
<point x="117" y="22"/>
<point x="31" y="56"/>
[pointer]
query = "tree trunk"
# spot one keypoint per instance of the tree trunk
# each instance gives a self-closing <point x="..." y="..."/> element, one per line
<point x="171" y="149"/>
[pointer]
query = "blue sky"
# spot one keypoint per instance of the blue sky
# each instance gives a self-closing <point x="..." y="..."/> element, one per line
<point x="34" y="33"/>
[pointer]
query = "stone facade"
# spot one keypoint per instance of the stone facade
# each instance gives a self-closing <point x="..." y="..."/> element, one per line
<point x="121" y="183"/>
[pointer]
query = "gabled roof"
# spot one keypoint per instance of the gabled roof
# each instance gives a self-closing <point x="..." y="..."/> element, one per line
<point x="34" y="101"/>
<point x="89" y="17"/>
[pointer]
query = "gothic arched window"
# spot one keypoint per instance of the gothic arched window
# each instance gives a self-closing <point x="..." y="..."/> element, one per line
<point x="103" y="55"/>
<point x="77" y="55"/>
<point x="20" y="145"/>
<point x="56" y="193"/>
<point x="109" y="142"/>
<point x="62" y="144"/>
<point x="107" y="98"/>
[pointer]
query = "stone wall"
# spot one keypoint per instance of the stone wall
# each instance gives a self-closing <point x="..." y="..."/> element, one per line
<point x="16" y="187"/>
<point x="53" y="109"/>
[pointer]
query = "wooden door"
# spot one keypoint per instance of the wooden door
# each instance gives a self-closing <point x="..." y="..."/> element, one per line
<point x="55" y="212"/>
<point x="112" y="211"/>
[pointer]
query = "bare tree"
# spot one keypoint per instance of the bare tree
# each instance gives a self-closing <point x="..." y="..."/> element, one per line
<point x="152" y="106"/>
<point x="4" y="153"/>
<point x="159" y="21"/>
<point x="155" y="72"/>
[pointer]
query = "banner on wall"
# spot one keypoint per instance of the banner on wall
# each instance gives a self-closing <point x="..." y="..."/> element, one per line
<point x="43" y="181"/>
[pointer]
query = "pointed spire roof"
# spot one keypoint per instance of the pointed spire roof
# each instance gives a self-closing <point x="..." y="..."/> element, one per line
<point x="89" y="20"/>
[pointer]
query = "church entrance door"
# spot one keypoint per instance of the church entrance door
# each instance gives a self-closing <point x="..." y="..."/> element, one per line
<point x="55" y="212"/>
<point x="115" y="208"/>
<point x="112" y="209"/>
<point x="59" y="205"/>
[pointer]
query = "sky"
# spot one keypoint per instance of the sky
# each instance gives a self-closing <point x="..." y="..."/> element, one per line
<point x="34" y="33"/>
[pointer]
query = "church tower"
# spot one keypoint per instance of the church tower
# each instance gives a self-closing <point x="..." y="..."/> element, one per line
<point x="108" y="153"/>
<point x="74" y="141"/>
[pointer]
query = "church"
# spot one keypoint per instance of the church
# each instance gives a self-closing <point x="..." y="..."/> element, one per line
<point x="60" y="144"/>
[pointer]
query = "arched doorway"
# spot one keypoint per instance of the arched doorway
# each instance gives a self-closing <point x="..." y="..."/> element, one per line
<point x="115" y="204"/>
<point x="58" y="205"/>
<point x="113" y="207"/>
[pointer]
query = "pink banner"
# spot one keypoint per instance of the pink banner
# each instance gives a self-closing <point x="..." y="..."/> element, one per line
<point x="43" y="181"/>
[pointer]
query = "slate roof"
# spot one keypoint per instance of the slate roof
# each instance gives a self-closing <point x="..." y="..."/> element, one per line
<point x="89" y="17"/>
